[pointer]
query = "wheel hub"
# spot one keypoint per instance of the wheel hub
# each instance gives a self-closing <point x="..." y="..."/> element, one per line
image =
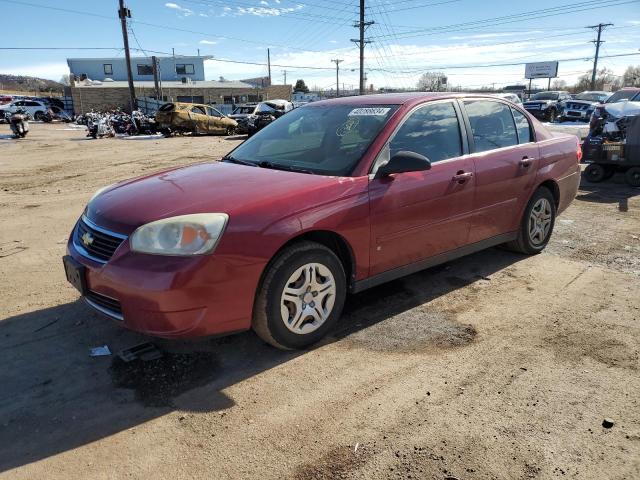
<point x="307" y="298"/>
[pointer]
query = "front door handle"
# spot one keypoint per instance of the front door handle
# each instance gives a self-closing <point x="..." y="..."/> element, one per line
<point x="526" y="161"/>
<point x="462" y="176"/>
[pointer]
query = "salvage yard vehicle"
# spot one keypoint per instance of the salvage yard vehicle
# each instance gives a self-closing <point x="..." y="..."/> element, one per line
<point x="36" y="109"/>
<point x="241" y="115"/>
<point x="178" y="117"/>
<point x="265" y="113"/>
<point x="582" y="106"/>
<point x="337" y="196"/>
<point x="613" y="143"/>
<point x="546" y="105"/>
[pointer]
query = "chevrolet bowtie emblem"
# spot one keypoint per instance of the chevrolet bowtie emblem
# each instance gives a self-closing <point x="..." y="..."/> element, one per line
<point x="87" y="239"/>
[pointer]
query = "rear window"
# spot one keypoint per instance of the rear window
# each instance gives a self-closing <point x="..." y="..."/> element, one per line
<point x="167" y="107"/>
<point x="622" y="95"/>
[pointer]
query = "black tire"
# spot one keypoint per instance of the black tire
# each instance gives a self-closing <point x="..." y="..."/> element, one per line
<point x="231" y="131"/>
<point x="524" y="243"/>
<point x="39" y="115"/>
<point x="632" y="176"/>
<point x="552" y="115"/>
<point x="267" y="320"/>
<point x="595" y="173"/>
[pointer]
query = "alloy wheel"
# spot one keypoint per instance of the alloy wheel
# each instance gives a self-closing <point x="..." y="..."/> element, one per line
<point x="540" y="221"/>
<point x="307" y="298"/>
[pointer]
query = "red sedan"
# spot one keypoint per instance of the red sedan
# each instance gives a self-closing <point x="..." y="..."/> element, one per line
<point x="334" y="197"/>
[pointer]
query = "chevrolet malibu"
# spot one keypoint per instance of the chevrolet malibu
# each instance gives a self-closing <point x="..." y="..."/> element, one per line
<point x="334" y="197"/>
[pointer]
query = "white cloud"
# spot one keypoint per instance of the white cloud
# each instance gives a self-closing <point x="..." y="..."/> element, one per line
<point x="182" y="10"/>
<point x="203" y="15"/>
<point x="262" y="2"/>
<point x="207" y="42"/>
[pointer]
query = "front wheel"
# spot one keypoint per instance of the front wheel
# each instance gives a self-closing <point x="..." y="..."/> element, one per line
<point x="231" y="131"/>
<point x="39" y="116"/>
<point x="301" y="296"/>
<point x="536" y="224"/>
<point x="552" y="116"/>
<point x="595" y="173"/>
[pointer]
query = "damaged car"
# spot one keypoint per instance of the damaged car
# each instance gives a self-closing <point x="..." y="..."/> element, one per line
<point x="613" y="143"/>
<point x="265" y="113"/>
<point x="180" y="118"/>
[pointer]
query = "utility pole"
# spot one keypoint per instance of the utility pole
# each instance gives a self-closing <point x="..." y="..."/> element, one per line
<point x="337" y="61"/>
<point x="600" y="27"/>
<point x="156" y="82"/>
<point x="269" y="64"/>
<point x="124" y="13"/>
<point x="284" y="72"/>
<point x="361" y="42"/>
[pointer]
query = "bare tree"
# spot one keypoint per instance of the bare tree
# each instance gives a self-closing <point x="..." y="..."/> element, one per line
<point x="631" y="76"/>
<point x="604" y="78"/>
<point x="558" y="84"/>
<point x="432" y="82"/>
<point x="64" y="80"/>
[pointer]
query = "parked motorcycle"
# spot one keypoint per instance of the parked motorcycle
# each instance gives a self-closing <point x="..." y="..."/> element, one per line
<point x="19" y="122"/>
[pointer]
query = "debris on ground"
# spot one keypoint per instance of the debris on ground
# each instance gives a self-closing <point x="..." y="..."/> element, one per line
<point x="607" y="423"/>
<point x="102" y="351"/>
<point x="145" y="351"/>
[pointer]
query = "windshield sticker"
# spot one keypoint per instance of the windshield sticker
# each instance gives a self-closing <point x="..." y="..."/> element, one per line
<point x="369" y="112"/>
<point x="347" y="126"/>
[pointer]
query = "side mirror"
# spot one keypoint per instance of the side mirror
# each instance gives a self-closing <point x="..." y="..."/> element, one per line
<point x="402" y="162"/>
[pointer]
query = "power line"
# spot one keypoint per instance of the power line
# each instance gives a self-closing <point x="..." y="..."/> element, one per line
<point x="520" y="17"/>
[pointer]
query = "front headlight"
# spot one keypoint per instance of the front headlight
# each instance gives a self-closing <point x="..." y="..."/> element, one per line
<point x="195" y="234"/>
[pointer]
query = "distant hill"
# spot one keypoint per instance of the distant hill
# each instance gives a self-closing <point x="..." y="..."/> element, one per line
<point x="21" y="83"/>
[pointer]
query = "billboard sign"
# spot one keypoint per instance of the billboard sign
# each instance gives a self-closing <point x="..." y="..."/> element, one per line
<point x="541" y="70"/>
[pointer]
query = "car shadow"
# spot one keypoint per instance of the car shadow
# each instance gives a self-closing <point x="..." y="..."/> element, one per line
<point x="55" y="397"/>
<point x="612" y="190"/>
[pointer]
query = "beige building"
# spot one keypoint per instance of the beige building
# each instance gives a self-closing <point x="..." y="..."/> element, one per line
<point x="101" y="96"/>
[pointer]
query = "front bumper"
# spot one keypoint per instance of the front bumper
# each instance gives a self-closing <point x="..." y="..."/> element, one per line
<point x="583" y="115"/>
<point x="171" y="297"/>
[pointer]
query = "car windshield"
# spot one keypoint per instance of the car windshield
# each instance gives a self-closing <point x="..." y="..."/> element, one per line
<point x="545" y="96"/>
<point x="622" y="95"/>
<point x="244" y="109"/>
<point x="591" y="97"/>
<point x="327" y="140"/>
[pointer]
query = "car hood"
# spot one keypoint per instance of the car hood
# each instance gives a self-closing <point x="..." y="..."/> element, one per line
<point x="582" y="102"/>
<point x="212" y="187"/>
<point x="622" y="109"/>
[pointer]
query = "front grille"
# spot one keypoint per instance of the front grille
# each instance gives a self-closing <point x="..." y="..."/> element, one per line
<point x="95" y="242"/>
<point x="577" y="106"/>
<point x="107" y="305"/>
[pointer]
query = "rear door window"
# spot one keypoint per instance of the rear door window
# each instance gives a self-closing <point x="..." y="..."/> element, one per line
<point x="492" y="125"/>
<point x="522" y="126"/>
<point x="432" y="130"/>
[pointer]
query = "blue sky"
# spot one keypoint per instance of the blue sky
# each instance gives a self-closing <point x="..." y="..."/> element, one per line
<point x="408" y="38"/>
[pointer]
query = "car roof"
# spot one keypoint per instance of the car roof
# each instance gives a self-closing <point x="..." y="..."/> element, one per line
<point x="408" y="98"/>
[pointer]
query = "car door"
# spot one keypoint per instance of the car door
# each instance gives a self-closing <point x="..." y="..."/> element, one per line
<point x="199" y="119"/>
<point x="505" y="158"/>
<point x="416" y="215"/>
<point x="216" y="124"/>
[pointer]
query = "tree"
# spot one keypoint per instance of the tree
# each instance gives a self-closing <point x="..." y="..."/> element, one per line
<point x="301" y="87"/>
<point x="604" y="76"/>
<point x="631" y="76"/>
<point x="64" y="80"/>
<point x="432" y="82"/>
<point x="558" y="85"/>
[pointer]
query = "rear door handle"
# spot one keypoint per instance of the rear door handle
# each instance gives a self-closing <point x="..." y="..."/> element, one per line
<point x="526" y="161"/>
<point x="462" y="176"/>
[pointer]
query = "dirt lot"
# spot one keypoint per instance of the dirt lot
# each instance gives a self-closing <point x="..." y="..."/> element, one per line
<point x="493" y="366"/>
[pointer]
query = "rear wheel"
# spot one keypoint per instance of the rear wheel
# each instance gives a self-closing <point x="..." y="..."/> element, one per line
<point x="595" y="173"/>
<point x="632" y="176"/>
<point x="38" y="115"/>
<point x="537" y="223"/>
<point x="301" y="296"/>
<point x="230" y="131"/>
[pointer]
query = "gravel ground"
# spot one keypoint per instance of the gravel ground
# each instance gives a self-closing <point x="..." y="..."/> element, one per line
<point x="495" y="366"/>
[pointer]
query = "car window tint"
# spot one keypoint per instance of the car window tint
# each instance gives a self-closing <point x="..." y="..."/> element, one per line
<point x="492" y="125"/>
<point x="432" y="131"/>
<point x="523" y="127"/>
